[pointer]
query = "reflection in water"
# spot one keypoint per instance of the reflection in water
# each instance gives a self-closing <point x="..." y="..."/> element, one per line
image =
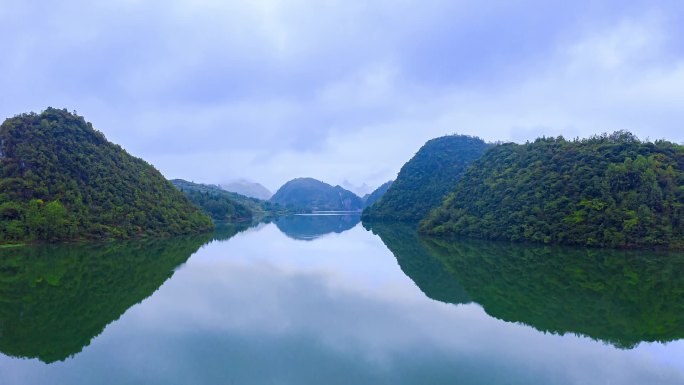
<point x="621" y="297"/>
<point x="55" y="299"/>
<point x="311" y="226"/>
<point x="426" y="271"/>
<point x="224" y="230"/>
<point x="263" y="308"/>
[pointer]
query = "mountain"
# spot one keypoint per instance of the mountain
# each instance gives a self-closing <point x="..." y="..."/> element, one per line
<point x="248" y="189"/>
<point x="60" y="179"/>
<point x="312" y="194"/>
<point x="377" y="193"/>
<point x="361" y="190"/>
<point x="424" y="180"/>
<point x="609" y="191"/>
<point x="222" y="205"/>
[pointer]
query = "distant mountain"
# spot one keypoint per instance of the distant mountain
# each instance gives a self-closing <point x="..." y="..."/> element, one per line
<point x="60" y="179"/>
<point x="424" y="180"/>
<point x="361" y="190"/>
<point x="373" y="197"/>
<point x="608" y="191"/>
<point x="248" y="188"/>
<point x="312" y="194"/>
<point x="224" y="205"/>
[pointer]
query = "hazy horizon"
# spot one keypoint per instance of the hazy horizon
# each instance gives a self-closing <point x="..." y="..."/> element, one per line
<point x="212" y="91"/>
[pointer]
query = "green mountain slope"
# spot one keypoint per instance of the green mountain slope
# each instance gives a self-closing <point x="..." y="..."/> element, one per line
<point x="611" y="191"/>
<point x="424" y="180"/>
<point x="377" y="193"/>
<point x="312" y="194"/>
<point x="222" y="205"/>
<point x="61" y="179"/>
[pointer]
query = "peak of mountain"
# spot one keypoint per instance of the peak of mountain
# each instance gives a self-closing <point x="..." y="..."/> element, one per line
<point x="359" y="190"/>
<point x="247" y="188"/>
<point x="426" y="178"/>
<point x="314" y="195"/>
<point x="60" y="179"/>
<point x="608" y="191"/>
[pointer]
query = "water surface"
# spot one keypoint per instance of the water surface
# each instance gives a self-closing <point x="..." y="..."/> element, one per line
<point x="344" y="305"/>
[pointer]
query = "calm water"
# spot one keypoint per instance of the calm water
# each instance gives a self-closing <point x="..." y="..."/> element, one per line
<point x="321" y="300"/>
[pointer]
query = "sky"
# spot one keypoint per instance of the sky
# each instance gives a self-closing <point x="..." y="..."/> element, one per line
<point x="212" y="91"/>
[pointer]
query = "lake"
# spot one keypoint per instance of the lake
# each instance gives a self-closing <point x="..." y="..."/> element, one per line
<point x="323" y="300"/>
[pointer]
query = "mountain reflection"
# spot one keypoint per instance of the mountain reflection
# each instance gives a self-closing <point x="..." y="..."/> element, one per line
<point x="426" y="271"/>
<point x="620" y="297"/>
<point x="55" y="299"/>
<point x="309" y="227"/>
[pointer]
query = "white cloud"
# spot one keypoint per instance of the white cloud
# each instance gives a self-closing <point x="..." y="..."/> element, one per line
<point x="273" y="90"/>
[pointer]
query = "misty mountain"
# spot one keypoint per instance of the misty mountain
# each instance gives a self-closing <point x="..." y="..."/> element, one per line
<point x="247" y="188"/>
<point x="377" y="194"/>
<point x="312" y="194"/>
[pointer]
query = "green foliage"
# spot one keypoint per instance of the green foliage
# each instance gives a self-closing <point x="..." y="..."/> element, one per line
<point x="309" y="194"/>
<point x="57" y="298"/>
<point x="377" y="193"/>
<point x="226" y="206"/>
<point x="424" y="180"/>
<point x="60" y="179"/>
<point x="607" y="191"/>
<point x="623" y="297"/>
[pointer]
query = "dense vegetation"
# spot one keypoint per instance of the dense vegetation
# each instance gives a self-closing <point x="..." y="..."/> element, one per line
<point x="313" y="195"/>
<point x="248" y="189"/>
<point x="56" y="298"/>
<point x="62" y="180"/>
<point x="377" y="193"/>
<point x="424" y="180"/>
<point x="610" y="191"/>
<point x="222" y="205"/>
<point x="623" y="297"/>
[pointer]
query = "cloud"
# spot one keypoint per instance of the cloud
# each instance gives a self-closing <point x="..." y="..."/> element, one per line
<point x="211" y="90"/>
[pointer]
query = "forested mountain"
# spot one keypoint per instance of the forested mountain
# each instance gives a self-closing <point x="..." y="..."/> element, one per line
<point x="377" y="193"/>
<point x="609" y="190"/>
<point x="222" y="205"/>
<point x="248" y="189"/>
<point x="424" y="180"/>
<point x="312" y="194"/>
<point x="60" y="179"/>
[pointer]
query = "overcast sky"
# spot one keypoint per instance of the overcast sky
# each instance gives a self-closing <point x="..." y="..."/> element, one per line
<point x="210" y="90"/>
